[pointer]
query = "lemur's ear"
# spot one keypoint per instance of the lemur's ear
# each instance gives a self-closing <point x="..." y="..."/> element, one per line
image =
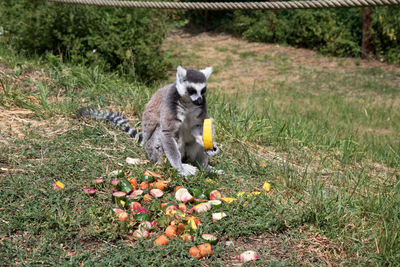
<point x="180" y="73"/>
<point x="207" y="72"/>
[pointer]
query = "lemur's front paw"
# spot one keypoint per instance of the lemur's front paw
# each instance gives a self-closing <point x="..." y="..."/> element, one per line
<point x="214" y="152"/>
<point x="188" y="170"/>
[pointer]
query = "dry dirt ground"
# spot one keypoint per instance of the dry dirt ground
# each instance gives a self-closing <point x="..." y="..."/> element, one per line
<point x="241" y="64"/>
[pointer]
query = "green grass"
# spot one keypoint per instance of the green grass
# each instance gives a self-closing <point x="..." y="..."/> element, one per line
<point x="316" y="143"/>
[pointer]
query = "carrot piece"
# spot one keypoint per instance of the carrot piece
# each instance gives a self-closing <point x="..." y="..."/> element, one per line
<point x="205" y="249"/>
<point x="181" y="228"/>
<point x="132" y="181"/>
<point x="187" y="237"/>
<point x="147" y="198"/>
<point x="182" y="207"/>
<point x="152" y="174"/>
<point x="123" y="216"/>
<point x="195" y="252"/>
<point x="163" y="205"/>
<point x="143" y="185"/>
<point x="160" y="241"/>
<point x="177" y="188"/>
<point x="160" y="184"/>
<point x="170" y="231"/>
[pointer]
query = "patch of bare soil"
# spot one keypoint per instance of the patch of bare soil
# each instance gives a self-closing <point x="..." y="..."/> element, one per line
<point x="14" y="122"/>
<point x="24" y="79"/>
<point x="240" y="64"/>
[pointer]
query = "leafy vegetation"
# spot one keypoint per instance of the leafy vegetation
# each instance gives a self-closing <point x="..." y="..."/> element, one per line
<point x="124" y="40"/>
<point x="334" y="32"/>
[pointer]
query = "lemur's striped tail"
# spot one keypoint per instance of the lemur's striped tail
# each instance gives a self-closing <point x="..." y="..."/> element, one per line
<point x="113" y="117"/>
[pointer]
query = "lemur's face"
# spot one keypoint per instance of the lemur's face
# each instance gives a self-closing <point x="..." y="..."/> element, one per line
<point x="196" y="92"/>
<point x="193" y="84"/>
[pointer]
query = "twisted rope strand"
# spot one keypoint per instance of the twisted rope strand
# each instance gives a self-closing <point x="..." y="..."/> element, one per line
<point x="234" y="5"/>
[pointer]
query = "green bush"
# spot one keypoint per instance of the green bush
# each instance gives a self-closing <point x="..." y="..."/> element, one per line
<point x="332" y="31"/>
<point x="386" y="33"/>
<point x="127" y="40"/>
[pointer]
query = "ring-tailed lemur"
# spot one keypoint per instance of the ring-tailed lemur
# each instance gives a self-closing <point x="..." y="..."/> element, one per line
<point x="172" y="122"/>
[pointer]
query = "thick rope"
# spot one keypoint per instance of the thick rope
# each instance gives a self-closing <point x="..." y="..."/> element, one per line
<point x="234" y="5"/>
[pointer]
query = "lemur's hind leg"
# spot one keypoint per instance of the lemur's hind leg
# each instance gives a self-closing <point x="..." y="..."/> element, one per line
<point x="153" y="147"/>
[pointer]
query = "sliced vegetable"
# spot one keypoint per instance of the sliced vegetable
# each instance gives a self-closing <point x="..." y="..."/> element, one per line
<point x="249" y="255"/>
<point x="135" y="194"/>
<point x="216" y="203"/>
<point x="124" y="185"/>
<point x="114" y="182"/>
<point x="209" y="238"/>
<point x="160" y="184"/>
<point x="98" y="182"/>
<point x="122" y="215"/>
<point x="156" y="193"/>
<point x="143" y="185"/>
<point x="133" y="182"/>
<point x="177" y="188"/>
<point x="152" y="174"/>
<point x="183" y="195"/>
<point x="267" y="186"/>
<point x="198" y="200"/>
<point x="59" y="185"/>
<point x="171" y="231"/>
<point x="202" y="207"/>
<point x="195" y="252"/>
<point x="161" y="241"/>
<point x="215" y="195"/>
<point x="135" y="207"/>
<point x="182" y="207"/>
<point x="181" y="228"/>
<point x="218" y="216"/>
<point x="119" y="195"/>
<point x="89" y="191"/>
<point x="205" y="250"/>
<point x="163" y="205"/>
<point x="135" y="161"/>
<point x="145" y="226"/>
<point x="228" y="199"/>
<point x="186" y="237"/>
<point x="147" y="198"/>
<point x="139" y="234"/>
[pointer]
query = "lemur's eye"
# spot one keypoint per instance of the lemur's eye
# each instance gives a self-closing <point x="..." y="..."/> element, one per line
<point x="203" y="91"/>
<point x="191" y="91"/>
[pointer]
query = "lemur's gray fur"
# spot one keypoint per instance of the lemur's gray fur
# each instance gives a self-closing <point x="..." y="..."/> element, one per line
<point x="172" y="122"/>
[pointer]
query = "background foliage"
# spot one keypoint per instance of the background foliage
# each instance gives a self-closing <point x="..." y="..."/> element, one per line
<point x="127" y="40"/>
<point x="332" y="31"/>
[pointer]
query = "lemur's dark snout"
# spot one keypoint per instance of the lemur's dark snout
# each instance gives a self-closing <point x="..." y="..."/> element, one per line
<point x="199" y="101"/>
